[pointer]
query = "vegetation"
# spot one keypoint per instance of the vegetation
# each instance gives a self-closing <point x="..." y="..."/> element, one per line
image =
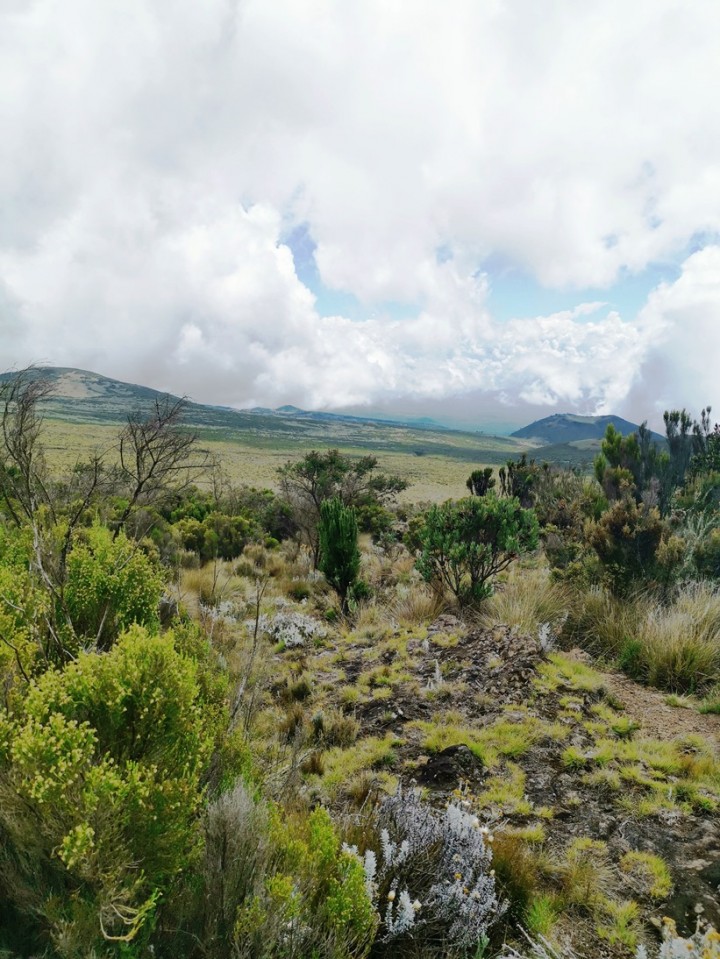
<point x="339" y="553"/>
<point x="200" y="756"/>
<point x="465" y="544"/>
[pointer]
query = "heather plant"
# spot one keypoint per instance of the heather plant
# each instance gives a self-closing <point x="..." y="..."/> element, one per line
<point x="339" y="553"/>
<point x="319" y="477"/>
<point x="100" y="791"/>
<point x="627" y="539"/>
<point x="304" y="895"/>
<point x="111" y="584"/>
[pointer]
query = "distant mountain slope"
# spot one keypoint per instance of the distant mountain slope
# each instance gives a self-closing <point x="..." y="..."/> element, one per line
<point x="569" y="428"/>
<point x="83" y="397"/>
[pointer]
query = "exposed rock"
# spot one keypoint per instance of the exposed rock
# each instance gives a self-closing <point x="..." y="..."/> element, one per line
<point x="446" y="769"/>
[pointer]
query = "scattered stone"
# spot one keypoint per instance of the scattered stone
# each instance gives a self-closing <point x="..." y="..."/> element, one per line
<point x="446" y="769"/>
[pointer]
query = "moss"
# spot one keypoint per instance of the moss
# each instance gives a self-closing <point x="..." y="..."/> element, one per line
<point x="341" y="765"/>
<point x="563" y="672"/>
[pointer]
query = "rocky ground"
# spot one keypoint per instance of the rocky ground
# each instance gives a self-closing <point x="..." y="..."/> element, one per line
<point x="552" y="752"/>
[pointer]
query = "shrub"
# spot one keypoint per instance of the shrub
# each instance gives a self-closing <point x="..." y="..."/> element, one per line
<point x="703" y="944"/>
<point x="626" y="539"/>
<point x="101" y="772"/>
<point x="527" y="600"/>
<point x="339" y="553"/>
<point x="466" y="543"/>
<point x="111" y="584"/>
<point x="431" y="878"/>
<point x="290" y="628"/>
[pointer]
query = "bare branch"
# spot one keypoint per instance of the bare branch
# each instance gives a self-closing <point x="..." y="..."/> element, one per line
<point x="158" y="458"/>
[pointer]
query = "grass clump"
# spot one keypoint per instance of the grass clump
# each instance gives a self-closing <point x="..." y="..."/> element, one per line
<point x="621" y="924"/>
<point x="585" y="875"/>
<point x="527" y="598"/>
<point x="342" y="765"/>
<point x="650" y="872"/>
<point x="542" y="914"/>
<point x="564" y="672"/>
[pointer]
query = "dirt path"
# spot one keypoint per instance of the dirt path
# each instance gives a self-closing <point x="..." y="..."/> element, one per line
<point x="657" y="719"/>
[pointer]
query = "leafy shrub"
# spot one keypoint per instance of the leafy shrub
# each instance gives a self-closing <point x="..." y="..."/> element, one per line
<point x="100" y="773"/>
<point x="217" y="536"/>
<point x="466" y="543"/>
<point x="626" y="539"/>
<point x="111" y="584"/>
<point x="308" y="896"/>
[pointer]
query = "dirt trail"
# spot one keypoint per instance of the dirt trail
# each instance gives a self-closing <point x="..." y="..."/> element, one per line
<point x="657" y="719"/>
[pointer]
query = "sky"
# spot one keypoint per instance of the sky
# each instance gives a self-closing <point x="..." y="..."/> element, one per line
<point x="482" y="211"/>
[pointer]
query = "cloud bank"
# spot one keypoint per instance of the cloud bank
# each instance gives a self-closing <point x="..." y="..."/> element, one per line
<point x="156" y="161"/>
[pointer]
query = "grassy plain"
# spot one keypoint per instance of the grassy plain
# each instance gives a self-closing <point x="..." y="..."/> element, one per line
<point x="436" y="463"/>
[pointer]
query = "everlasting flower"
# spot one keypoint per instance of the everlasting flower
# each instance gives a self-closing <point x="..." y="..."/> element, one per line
<point x="391" y="895"/>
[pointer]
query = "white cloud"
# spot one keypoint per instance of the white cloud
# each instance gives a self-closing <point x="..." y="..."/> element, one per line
<point x="681" y="367"/>
<point x="154" y="156"/>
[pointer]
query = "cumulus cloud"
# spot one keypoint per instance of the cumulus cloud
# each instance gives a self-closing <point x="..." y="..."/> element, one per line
<point x="155" y="158"/>
<point x="681" y="364"/>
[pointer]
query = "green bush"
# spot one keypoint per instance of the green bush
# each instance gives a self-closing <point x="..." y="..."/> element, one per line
<point x="100" y="788"/>
<point x="339" y="553"/>
<point x="465" y="543"/>
<point x="626" y="539"/>
<point x="111" y="584"/>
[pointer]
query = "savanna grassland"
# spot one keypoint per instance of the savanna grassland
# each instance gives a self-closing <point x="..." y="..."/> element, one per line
<point x="323" y="710"/>
<point x="436" y="465"/>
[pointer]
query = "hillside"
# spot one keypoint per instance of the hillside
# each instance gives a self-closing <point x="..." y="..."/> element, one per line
<point x="570" y="428"/>
<point x="83" y="397"/>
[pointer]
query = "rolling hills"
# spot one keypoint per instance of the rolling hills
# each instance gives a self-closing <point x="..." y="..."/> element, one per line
<point x="86" y="409"/>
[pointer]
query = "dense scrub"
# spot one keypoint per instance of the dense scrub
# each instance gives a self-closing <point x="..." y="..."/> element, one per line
<point x="234" y="725"/>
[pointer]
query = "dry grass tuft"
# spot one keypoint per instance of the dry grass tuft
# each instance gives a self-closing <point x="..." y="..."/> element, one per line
<point x="527" y="599"/>
<point x="678" y="647"/>
<point x="416" y="604"/>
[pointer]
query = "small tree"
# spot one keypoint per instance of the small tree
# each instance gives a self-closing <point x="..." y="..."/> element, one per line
<point x="627" y="538"/>
<point x="481" y="482"/>
<point x="518" y="479"/>
<point x="158" y="457"/>
<point x="465" y="543"/>
<point x="339" y="553"/>
<point x="317" y="477"/>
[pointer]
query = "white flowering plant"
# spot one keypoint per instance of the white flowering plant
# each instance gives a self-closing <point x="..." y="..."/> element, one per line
<point x="431" y="877"/>
<point x="703" y="944"/>
<point x="291" y="628"/>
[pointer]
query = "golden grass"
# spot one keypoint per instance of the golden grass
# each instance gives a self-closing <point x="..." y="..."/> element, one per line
<point x="432" y="477"/>
<point x="527" y="598"/>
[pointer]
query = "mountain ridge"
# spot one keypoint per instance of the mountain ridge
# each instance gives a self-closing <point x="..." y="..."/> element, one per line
<point x="562" y="428"/>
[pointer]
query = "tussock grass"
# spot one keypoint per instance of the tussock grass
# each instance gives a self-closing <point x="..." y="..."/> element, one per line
<point x="601" y="623"/>
<point x="415" y="605"/>
<point x="674" y="646"/>
<point x="678" y="647"/>
<point x="527" y="599"/>
<point x="342" y="765"/>
<point x="585" y="874"/>
<point x="650" y="872"/>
